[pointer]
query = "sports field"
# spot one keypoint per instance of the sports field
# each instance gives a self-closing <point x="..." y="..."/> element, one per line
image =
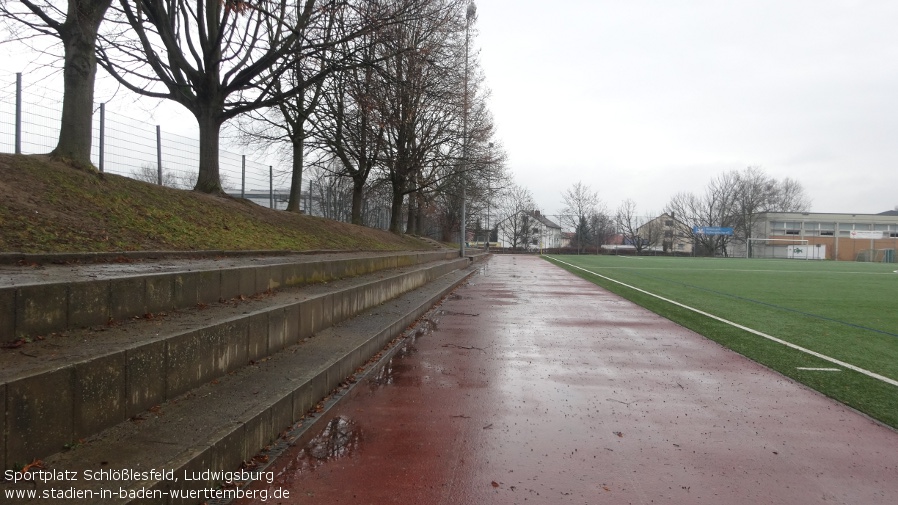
<point x="830" y="325"/>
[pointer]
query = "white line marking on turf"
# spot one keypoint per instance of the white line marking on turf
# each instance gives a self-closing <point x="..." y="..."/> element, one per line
<point x="818" y="369"/>
<point x="749" y="270"/>
<point x="745" y="328"/>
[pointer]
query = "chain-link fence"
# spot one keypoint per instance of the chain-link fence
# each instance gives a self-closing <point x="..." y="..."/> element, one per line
<point x="29" y="124"/>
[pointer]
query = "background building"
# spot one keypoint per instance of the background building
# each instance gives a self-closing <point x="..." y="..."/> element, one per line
<point x="844" y="237"/>
<point x="546" y="232"/>
<point x="666" y="234"/>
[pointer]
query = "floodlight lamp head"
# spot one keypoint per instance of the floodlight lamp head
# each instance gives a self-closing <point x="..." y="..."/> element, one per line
<point x="472" y="11"/>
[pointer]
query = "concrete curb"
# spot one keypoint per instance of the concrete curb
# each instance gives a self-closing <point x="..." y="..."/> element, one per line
<point x="12" y="258"/>
<point x="43" y="308"/>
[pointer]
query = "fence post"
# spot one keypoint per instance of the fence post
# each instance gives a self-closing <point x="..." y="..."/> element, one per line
<point x="270" y="187"/>
<point x="159" y="151"/>
<point x="102" y="134"/>
<point x="18" y="112"/>
<point x="243" y="177"/>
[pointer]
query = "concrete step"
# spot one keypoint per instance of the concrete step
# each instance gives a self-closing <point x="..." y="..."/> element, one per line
<point x="40" y="299"/>
<point x="67" y="387"/>
<point x="223" y="423"/>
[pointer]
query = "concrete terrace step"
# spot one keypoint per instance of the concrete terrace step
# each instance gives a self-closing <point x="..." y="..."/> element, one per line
<point x="58" y="390"/>
<point x="42" y="299"/>
<point x="219" y="425"/>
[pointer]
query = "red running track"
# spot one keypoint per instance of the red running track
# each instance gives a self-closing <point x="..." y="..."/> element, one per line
<point x="536" y="386"/>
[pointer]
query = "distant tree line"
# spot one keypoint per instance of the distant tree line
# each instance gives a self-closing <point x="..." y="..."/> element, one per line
<point x="735" y="199"/>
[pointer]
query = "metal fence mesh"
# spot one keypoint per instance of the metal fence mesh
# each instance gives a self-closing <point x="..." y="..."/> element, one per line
<point x="133" y="148"/>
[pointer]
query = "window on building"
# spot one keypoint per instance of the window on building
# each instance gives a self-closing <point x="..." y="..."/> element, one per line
<point x="792" y="228"/>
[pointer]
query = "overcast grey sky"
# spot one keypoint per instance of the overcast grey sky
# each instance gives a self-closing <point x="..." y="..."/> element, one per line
<point x="643" y="99"/>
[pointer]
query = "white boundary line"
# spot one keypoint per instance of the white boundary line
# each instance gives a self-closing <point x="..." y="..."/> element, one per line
<point x="744" y="328"/>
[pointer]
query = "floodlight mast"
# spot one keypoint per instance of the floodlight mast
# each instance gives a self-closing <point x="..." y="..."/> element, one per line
<point x="469" y="17"/>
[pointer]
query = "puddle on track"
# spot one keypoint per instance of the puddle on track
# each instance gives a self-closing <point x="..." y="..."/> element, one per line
<point x="341" y="437"/>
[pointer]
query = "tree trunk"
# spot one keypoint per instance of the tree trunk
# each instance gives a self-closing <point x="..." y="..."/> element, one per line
<point x="450" y="233"/>
<point x="358" y="188"/>
<point x="419" y="215"/>
<point x="293" y="204"/>
<point x="209" y="180"/>
<point x="79" y="37"/>
<point x="410" y="219"/>
<point x="396" y="212"/>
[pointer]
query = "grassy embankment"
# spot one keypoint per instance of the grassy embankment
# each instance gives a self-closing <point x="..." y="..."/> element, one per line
<point x="48" y="207"/>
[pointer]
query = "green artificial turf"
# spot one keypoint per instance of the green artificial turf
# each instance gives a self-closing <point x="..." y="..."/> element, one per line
<point x="842" y="310"/>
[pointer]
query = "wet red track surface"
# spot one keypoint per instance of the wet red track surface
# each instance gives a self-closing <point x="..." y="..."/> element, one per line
<point x="538" y="387"/>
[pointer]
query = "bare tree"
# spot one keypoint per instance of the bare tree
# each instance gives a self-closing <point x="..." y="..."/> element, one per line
<point x="348" y="124"/>
<point x="601" y="229"/>
<point x="736" y="199"/>
<point x="790" y="197"/>
<point x="77" y="29"/>
<point x="711" y="209"/>
<point x="484" y="178"/>
<point x="446" y="203"/>
<point x="580" y="202"/>
<point x="515" y="206"/>
<point x="217" y="58"/>
<point x="397" y="117"/>
<point x="640" y="232"/>
<point x="417" y="104"/>
<point x="286" y="125"/>
<point x="330" y="193"/>
<point x="484" y="155"/>
<point x="756" y="193"/>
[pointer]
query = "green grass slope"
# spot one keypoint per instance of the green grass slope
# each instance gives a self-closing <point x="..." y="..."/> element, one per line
<point x="48" y="206"/>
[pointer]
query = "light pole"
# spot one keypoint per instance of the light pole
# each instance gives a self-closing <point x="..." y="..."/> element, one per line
<point x="472" y="11"/>
<point x="489" y="166"/>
